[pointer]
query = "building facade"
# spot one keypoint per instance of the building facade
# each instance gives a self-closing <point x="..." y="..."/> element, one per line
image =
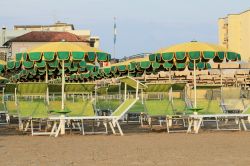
<point x="10" y="42"/>
<point x="58" y="26"/>
<point x="36" y="38"/>
<point x="234" y="33"/>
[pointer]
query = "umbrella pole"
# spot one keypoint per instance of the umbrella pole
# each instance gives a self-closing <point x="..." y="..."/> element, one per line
<point x="195" y="104"/>
<point x="221" y="77"/>
<point x="170" y="75"/>
<point x="125" y="92"/>
<point x="3" y="96"/>
<point x="95" y="96"/>
<point x="142" y="96"/>
<point x="120" y="95"/>
<point x="46" y="80"/>
<point x="221" y="81"/>
<point x="137" y="90"/>
<point x="63" y="82"/>
<point x="63" y="79"/>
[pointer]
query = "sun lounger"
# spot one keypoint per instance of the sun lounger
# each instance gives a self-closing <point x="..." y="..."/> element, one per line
<point x="32" y="113"/>
<point x="211" y="111"/>
<point x="233" y="105"/>
<point x="134" y="113"/>
<point x="4" y="119"/>
<point x="158" y="109"/>
<point x="176" y="122"/>
<point x="113" y="119"/>
<point x="107" y="105"/>
<point x="32" y="106"/>
<point x="11" y="108"/>
<point x="9" y="102"/>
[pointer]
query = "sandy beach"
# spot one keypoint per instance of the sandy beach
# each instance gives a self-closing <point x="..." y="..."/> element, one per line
<point x="146" y="148"/>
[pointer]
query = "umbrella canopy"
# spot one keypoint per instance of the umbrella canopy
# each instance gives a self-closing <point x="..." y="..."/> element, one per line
<point x="132" y="67"/>
<point x="193" y="46"/>
<point x="182" y="54"/>
<point x="77" y="58"/>
<point x="2" y="65"/>
<point x="63" y="51"/>
<point x="194" y="55"/>
<point x="3" y="80"/>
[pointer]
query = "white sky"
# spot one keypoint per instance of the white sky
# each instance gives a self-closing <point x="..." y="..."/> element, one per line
<point x="142" y="25"/>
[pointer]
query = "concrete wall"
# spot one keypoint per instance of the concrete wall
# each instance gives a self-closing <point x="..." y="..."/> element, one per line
<point x="245" y="35"/>
<point x="234" y="31"/>
<point x="237" y="32"/>
<point x="45" y="28"/>
<point x="222" y="24"/>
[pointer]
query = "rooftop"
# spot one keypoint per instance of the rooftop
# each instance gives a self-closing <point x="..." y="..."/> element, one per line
<point x="48" y="36"/>
<point x="57" y="24"/>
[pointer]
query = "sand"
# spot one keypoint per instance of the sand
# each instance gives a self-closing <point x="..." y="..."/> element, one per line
<point x="152" y="148"/>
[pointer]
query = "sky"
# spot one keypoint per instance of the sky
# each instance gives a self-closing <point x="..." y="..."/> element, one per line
<point x="143" y="26"/>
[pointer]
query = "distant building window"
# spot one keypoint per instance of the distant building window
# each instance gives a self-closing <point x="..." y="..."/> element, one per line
<point x="3" y="56"/>
<point x="92" y="43"/>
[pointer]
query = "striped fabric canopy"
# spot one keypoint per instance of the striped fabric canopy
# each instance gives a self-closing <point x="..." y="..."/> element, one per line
<point x="77" y="58"/>
<point x="182" y="55"/>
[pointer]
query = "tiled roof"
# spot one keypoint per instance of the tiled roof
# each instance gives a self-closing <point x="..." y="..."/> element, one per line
<point x="48" y="36"/>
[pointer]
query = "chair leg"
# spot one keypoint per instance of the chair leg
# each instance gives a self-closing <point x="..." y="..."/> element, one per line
<point x="40" y="125"/>
<point x="170" y="121"/>
<point x="53" y="129"/>
<point x="198" y="126"/>
<point x="190" y="123"/>
<point x="238" y="120"/>
<point x="72" y="124"/>
<point x="119" y="128"/>
<point x="141" y="120"/>
<point x="8" y="118"/>
<point x="112" y="128"/>
<point x="59" y="129"/>
<point x="93" y="126"/>
<point x="217" y="123"/>
<point x="27" y="126"/>
<point x="184" y="123"/>
<point x="243" y="124"/>
<point x="167" y="125"/>
<point x="79" y="126"/>
<point x="31" y="125"/>
<point x="248" y="119"/>
<point x="106" y="127"/>
<point x="83" y="132"/>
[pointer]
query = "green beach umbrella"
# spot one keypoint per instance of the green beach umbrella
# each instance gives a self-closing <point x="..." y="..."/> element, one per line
<point x="193" y="55"/>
